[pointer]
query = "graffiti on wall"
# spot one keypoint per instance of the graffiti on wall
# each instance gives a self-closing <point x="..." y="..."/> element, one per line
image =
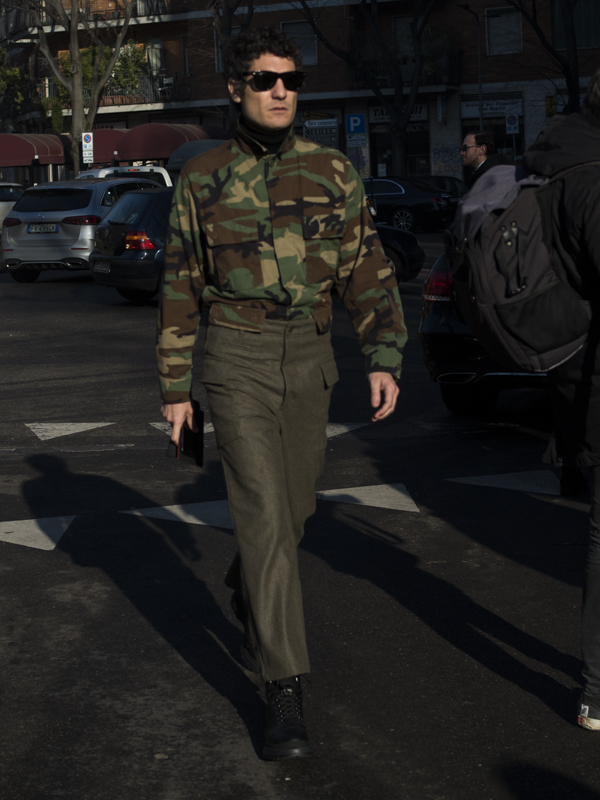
<point x="446" y="160"/>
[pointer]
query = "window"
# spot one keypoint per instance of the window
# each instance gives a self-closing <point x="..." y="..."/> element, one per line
<point x="305" y="38"/>
<point x="586" y="16"/>
<point x="186" y="56"/>
<point x="219" y="67"/>
<point x="503" y="31"/>
<point x="405" y="50"/>
<point x="156" y="56"/>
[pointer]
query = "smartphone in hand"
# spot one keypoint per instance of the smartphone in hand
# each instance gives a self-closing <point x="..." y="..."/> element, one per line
<point x="190" y="446"/>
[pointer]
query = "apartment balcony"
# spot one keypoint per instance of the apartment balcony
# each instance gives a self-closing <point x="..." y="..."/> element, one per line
<point x="162" y="88"/>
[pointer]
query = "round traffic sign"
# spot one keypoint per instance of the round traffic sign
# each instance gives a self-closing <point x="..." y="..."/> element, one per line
<point x="512" y="119"/>
<point x="87" y="138"/>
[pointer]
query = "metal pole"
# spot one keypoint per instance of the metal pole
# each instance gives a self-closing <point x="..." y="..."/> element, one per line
<point x="479" y="70"/>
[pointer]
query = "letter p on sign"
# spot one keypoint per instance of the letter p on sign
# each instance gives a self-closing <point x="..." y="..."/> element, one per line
<point x="355" y="123"/>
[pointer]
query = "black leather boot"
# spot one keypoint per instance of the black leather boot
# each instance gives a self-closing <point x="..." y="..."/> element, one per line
<point x="286" y="735"/>
<point x="247" y="652"/>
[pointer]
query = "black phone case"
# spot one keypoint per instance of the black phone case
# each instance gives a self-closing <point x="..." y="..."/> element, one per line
<point x="191" y="445"/>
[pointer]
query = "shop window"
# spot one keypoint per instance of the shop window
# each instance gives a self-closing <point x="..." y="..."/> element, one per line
<point x="503" y="31"/>
<point x="305" y="38"/>
<point x="586" y="16"/>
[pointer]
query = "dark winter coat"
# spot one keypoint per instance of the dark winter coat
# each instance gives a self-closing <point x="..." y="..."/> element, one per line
<point x="571" y="212"/>
<point x="495" y="160"/>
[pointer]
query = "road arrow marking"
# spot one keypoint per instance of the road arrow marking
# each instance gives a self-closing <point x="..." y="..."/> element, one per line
<point x="542" y="481"/>
<point x="215" y="513"/>
<point x="388" y="495"/>
<point x="51" y="430"/>
<point x="43" y="534"/>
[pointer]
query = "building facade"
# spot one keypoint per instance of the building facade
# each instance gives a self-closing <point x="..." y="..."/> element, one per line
<point x="484" y="60"/>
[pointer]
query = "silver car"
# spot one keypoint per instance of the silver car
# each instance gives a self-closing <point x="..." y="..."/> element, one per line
<point x="53" y="226"/>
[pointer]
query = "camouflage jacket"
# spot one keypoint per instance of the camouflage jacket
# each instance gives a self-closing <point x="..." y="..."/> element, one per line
<point x="252" y="234"/>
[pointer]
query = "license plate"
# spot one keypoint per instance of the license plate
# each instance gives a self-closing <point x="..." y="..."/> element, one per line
<point x="43" y="227"/>
<point x="101" y="266"/>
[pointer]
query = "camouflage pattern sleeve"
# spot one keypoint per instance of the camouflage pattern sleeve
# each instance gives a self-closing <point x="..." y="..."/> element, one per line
<point x="368" y="287"/>
<point x="181" y="294"/>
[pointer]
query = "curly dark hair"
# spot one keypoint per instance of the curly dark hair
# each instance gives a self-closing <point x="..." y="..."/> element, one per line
<point x="484" y="139"/>
<point x="591" y="104"/>
<point x="252" y="44"/>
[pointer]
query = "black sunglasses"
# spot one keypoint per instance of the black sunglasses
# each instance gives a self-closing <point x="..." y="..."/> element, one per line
<point x="263" y="80"/>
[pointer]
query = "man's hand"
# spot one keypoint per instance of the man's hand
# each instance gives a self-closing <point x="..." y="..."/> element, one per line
<point x="384" y="394"/>
<point x="177" y="414"/>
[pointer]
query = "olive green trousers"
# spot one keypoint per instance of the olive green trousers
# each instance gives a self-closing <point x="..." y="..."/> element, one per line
<point x="268" y="395"/>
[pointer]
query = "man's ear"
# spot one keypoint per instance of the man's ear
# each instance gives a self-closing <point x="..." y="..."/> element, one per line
<point x="235" y="95"/>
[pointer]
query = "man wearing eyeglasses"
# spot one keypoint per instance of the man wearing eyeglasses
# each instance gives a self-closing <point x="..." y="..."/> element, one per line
<point x="261" y="230"/>
<point x="477" y="154"/>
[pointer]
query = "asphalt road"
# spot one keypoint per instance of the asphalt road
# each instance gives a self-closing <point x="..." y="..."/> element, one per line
<point x="442" y="610"/>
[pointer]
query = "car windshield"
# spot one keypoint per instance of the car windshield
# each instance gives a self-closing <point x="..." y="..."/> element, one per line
<point x="54" y="199"/>
<point x="8" y="194"/>
<point x="129" y="210"/>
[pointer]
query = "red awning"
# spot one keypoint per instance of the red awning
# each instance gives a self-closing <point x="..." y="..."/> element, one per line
<point x="158" y="140"/>
<point x="105" y="144"/>
<point x="21" y="149"/>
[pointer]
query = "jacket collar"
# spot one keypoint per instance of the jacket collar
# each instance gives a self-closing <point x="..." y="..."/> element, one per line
<point x="249" y="145"/>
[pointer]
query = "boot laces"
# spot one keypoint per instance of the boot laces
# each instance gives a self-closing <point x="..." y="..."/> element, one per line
<point x="286" y="702"/>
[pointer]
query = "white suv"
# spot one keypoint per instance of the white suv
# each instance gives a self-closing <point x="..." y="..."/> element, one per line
<point x="157" y="174"/>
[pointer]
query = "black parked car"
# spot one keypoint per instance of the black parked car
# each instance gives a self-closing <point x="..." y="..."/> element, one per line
<point x="408" y="203"/>
<point x="403" y="251"/>
<point x="453" y="187"/>
<point x="129" y="251"/>
<point x="469" y="378"/>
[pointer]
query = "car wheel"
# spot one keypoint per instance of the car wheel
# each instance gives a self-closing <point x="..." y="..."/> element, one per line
<point x="395" y="263"/>
<point x="466" y="400"/>
<point x="137" y="296"/>
<point x="403" y="219"/>
<point x="25" y="275"/>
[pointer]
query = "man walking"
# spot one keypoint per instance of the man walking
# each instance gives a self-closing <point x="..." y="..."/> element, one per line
<point x="477" y="153"/>
<point x="261" y="229"/>
<point x="571" y="213"/>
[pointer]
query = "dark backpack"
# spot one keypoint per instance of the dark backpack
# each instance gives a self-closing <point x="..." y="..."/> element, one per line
<point x="523" y="314"/>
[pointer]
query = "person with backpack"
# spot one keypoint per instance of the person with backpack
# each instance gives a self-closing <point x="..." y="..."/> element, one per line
<point x="570" y="207"/>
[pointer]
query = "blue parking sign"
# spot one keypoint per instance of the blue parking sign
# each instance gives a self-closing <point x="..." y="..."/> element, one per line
<point x="355" y="123"/>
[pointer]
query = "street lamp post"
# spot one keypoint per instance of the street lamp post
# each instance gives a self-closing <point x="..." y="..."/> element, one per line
<point x="466" y="7"/>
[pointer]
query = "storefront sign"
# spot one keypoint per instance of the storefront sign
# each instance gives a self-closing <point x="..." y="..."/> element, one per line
<point x="380" y="114"/>
<point x="469" y="109"/>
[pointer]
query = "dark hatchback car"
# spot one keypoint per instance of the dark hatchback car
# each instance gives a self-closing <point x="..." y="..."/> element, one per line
<point x="402" y="250"/>
<point x="470" y="380"/>
<point x="408" y="203"/>
<point x="129" y="252"/>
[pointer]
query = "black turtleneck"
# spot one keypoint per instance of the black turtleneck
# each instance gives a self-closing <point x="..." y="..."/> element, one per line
<point x="270" y="139"/>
